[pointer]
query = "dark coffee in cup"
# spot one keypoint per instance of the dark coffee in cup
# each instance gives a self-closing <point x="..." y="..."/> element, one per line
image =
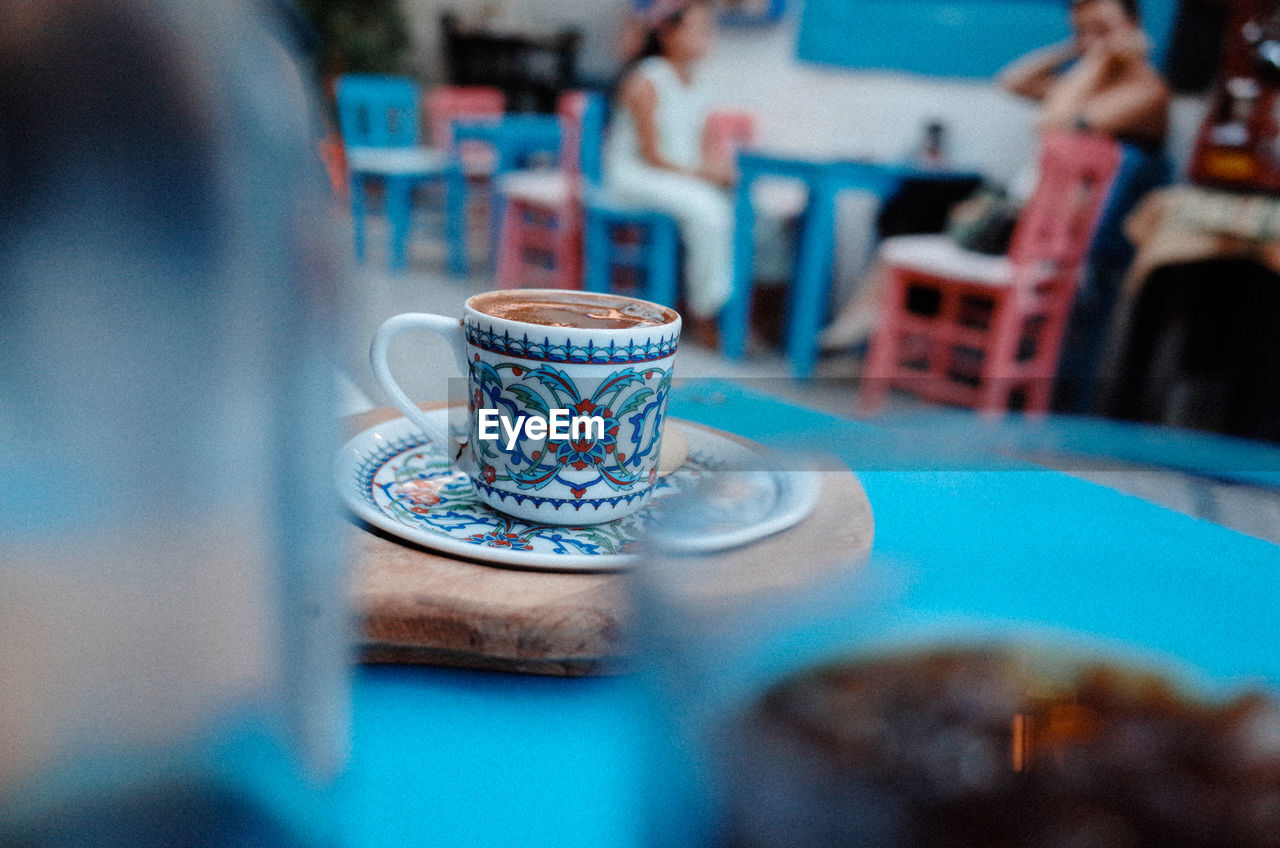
<point x="573" y="309"/>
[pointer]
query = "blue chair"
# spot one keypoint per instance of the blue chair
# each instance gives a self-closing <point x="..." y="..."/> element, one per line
<point x="379" y="116"/>
<point x="517" y="140"/>
<point x="621" y="240"/>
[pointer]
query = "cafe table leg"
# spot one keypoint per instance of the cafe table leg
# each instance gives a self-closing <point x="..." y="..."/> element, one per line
<point x="734" y="316"/>
<point x="813" y="269"/>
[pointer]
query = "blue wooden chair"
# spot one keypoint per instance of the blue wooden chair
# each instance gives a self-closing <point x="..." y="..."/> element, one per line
<point x="621" y="241"/>
<point x="379" y="118"/>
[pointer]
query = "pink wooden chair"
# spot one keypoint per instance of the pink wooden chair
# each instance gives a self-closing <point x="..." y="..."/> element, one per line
<point x="334" y="158"/>
<point x="985" y="331"/>
<point x="540" y="242"/>
<point x="449" y="103"/>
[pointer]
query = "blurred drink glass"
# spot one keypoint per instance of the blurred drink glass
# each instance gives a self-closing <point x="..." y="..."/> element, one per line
<point x="172" y="633"/>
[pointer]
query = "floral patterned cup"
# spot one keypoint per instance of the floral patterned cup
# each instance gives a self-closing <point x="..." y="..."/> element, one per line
<point x="517" y="370"/>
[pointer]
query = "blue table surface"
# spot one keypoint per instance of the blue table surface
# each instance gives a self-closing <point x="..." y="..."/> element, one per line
<point x="756" y="162"/>
<point x="449" y="757"/>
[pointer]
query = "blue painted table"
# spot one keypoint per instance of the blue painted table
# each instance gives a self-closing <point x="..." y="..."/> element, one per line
<point x="823" y="179"/>
<point x="514" y="139"/>
<point x="445" y="757"/>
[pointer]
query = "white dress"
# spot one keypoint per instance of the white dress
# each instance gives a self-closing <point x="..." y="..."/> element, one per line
<point x="702" y="210"/>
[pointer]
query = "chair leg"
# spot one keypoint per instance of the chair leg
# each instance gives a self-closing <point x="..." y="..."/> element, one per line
<point x="596" y="267"/>
<point x="1039" y="394"/>
<point x="664" y="262"/>
<point x="510" y="243"/>
<point x="882" y="355"/>
<point x="999" y="356"/>
<point x="1048" y="353"/>
<point x="736" y="313"/>
<point x="455" y="219"/>
<point x="568" y="258"/>
<point x="497" y="211"/>
<point x="356" y="184"/>
<point x="399" y="212"/>
<point x="874" y="386"/>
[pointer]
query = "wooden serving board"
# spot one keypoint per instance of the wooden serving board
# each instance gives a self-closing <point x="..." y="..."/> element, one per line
<point x="417" y="606"/>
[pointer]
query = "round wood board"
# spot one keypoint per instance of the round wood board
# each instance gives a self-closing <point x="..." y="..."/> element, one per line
<point x="417" y="606"/>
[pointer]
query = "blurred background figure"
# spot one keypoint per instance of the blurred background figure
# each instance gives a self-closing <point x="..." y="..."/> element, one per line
<point x="1100" y="81"/>
<point x="656" y="154"/>
<point x="1103" y="81"/>
<point x="172" y="640"/>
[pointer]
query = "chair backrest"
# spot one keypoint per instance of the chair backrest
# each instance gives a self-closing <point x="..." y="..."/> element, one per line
<point x="527" y="136"/>
<point x="727" y="131"/>
<point x="377" y="111"/>
<point x="1058" y="222"/>
<point x="449" y="103"/>
<point x="582" y="119"/>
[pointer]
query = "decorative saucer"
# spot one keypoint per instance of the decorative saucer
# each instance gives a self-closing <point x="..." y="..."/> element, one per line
<point x="393" y="477"/>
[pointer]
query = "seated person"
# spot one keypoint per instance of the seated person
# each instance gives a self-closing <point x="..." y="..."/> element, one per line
<point x="655" y="153"/>
<point x="1102" y="80"/>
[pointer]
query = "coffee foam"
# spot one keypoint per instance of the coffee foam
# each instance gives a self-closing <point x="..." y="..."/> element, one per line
<point x="585" y="312"/>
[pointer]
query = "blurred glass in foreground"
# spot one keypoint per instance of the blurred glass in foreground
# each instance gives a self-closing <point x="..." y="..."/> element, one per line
<point x="171" y="629"/>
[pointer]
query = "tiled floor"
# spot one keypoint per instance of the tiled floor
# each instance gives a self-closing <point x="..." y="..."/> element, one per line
<point x="424" y="368"/>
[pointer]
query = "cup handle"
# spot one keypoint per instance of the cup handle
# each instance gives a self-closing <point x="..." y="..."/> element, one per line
<point x="451" y="330"/>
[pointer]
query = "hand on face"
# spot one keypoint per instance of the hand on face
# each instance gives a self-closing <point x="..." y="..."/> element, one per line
<point x="1105" y="33"/>
<point x="1121" y="47"/>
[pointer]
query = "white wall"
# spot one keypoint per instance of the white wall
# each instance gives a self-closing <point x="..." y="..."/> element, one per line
<point x="802" y="107"/>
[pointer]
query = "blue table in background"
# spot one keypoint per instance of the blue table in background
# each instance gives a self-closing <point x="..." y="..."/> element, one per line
<point x="824" y="179"/>
<point x="447" y="757"/>
<point x="515" y="138"/>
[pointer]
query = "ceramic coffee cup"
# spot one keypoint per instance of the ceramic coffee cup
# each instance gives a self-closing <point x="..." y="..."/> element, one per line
<point x="577" y="411"/>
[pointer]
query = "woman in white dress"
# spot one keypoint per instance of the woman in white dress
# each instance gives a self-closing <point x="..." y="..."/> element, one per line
<point x="656" y="154"/>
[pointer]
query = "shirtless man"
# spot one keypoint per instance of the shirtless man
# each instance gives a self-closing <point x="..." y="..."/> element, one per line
<point x="1100" y="80"/>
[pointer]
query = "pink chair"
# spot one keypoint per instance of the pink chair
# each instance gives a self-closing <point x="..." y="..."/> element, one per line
<point x="335" y="165"/>
<point x="449" y="103"/>
<point x="977" y="330"/>
<point x="540" y="243"/>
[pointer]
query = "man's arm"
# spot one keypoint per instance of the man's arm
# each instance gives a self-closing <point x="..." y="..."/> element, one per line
<point x="1138" y="108"/>
<point x="1065" y="102"/>
<point x="1113" y="90"/>
<point x="1035" y="73"/>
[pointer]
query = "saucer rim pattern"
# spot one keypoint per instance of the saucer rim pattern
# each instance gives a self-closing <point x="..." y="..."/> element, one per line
<point x="365" y="453"/>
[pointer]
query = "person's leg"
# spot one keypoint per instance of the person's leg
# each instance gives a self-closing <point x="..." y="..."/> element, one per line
<point x="705" y="217"/>
<point x="855" y="243"/>
<point x="1085" y="340"/>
